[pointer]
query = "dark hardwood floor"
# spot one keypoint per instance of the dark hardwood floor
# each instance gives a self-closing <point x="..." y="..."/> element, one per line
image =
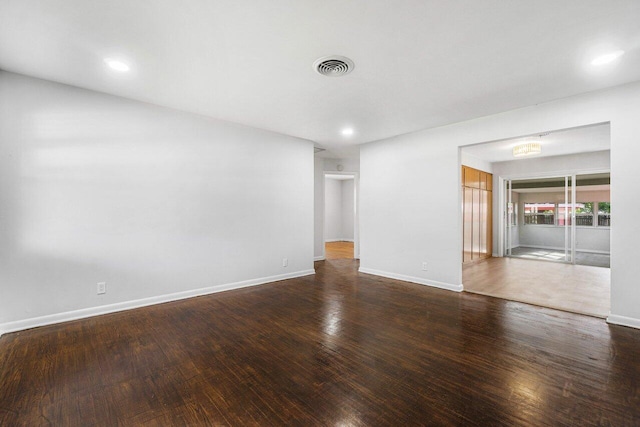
<point x="337" y="348"/>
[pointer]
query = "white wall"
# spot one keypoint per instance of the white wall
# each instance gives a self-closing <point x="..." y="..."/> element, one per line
<point x="153" y="201"/>
<point x="472" y="161"/>
<point x="588" y="239"/>
<point x="409" y="181"/>
<point x="333" y="209"/>
<point x="318" y="208"/>
<point x="410" y="210"/>
<point x="348" y="165"/>
<point x="347" y="209"/>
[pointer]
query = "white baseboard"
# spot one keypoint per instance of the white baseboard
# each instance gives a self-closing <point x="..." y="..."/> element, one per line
<point x="418" y="280"/>
<point x="588" y="251"/>
<point x="34" y="322"/>
<point x="338" y="240"/>
<point x="623" y="321"/>
<point x="319" y="258"/>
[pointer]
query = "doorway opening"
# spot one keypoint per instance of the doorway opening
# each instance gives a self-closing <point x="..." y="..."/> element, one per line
<point x="340" y="216"/>
<point x="553" y="206"/>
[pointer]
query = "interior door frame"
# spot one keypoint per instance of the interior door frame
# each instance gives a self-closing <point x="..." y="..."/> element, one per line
<point x="356" y="211"/>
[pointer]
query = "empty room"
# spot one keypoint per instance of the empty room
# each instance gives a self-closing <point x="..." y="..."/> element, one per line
<point x="280" y="213"/>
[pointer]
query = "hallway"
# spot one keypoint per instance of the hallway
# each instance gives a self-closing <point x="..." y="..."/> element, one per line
<point x="338" y="250"/>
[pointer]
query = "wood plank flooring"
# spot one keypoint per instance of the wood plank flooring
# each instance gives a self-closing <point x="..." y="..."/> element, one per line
<point x="338" y="250"/>
<point x="576" y="288"/>
<point x="337" y="348"/>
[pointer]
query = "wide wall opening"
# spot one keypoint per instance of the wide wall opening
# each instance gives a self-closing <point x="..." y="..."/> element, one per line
<point x="551" y="220"/>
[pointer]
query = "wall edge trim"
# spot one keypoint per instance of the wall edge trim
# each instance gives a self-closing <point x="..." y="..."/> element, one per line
<point x="630" y="322"/>
<point x="412" y="279"/>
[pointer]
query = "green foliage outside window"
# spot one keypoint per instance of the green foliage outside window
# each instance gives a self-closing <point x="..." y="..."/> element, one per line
<point x="587" y="208"/>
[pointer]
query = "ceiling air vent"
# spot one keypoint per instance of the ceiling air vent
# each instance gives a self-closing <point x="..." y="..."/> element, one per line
<point x="333" y="66"/>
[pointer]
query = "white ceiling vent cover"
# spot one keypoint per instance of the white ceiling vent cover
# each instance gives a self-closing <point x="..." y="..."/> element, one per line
<point x="333" y="66"/>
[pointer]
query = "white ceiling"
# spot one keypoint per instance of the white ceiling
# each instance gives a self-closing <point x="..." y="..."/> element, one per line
<point x="569" y="141"/>
<point x="418" y="63"/>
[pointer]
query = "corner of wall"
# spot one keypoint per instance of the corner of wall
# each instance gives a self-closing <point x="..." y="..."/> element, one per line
<point x="412" y="279"/>
<point x="630" y="322"/>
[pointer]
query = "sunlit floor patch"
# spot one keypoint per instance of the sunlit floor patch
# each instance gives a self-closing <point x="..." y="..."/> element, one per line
<point x="582" y="258"/>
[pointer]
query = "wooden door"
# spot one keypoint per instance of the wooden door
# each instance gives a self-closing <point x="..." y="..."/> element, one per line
<point x="467" y="214"/>
<point x="477" y="227"/>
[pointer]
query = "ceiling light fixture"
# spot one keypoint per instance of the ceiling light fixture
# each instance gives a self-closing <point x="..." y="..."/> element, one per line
<point x="607" y="58"/>
<point x="117" y="65"/>
<point x="347" y="131"/>
<point x="528" y="149"/>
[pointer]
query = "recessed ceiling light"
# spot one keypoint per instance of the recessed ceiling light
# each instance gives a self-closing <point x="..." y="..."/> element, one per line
<point x="347" y="131"/>
<point x="117" y="65"/>
<point x="607" y="58"/>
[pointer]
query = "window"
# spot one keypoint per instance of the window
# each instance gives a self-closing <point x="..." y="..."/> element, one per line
<point x="584" y="213"/>
<point x="559" y="214"/>
<point x="540" y="213"/>
<point x="604" y="214"/>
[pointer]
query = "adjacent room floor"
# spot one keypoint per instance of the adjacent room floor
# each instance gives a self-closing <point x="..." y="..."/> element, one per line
<point x="575" y="288"/>
<point x="582" y="258"/>
<point x="335" y="348"/>
<point x="338" y="250"/>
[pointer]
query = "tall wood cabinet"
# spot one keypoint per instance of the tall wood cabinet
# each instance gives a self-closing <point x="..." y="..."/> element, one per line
<point x="477" y="199"/>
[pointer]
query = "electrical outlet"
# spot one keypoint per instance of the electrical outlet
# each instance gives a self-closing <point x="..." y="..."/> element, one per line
<point x="102" y="288"/>
<point x="424" y="266"/>
<point x="285" y="262"/>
